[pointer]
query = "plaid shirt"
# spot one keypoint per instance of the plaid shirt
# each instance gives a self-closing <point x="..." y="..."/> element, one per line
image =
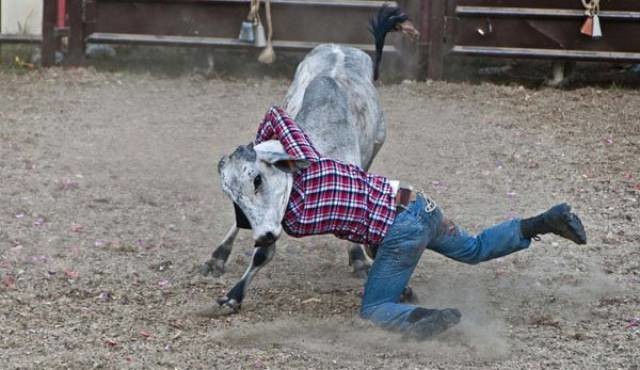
<point x="329" y="196"/>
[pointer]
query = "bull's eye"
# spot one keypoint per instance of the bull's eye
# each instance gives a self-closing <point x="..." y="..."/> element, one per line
<point x="257" y="182"/>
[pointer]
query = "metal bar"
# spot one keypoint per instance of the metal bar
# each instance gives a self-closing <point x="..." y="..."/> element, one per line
<point x="580" y="55"/>
<point x="76" y="33"/>
<point x="496" y="11"/>
<point x="48" y="46"/>
<point x="20" y="39"/>
<point x="193" y="41"/>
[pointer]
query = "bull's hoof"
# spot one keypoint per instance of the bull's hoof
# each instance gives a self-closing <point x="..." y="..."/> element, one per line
<point x="215" y="311"/>
<point x="214" y="267"/>
<point x="358" y="261"/>
<point x="230" y="303"/>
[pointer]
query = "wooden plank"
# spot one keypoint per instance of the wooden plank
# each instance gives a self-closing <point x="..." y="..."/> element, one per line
<point x="194" y="41"/>
<point x="623" y="5"/>
<point x="581" y="55"/>
<point x="544" y="33"/>
<point x="487" y="11"/>
<point x="220" y="19"/>
<point x="20" y="39"/>
<point x="323" y="3"/>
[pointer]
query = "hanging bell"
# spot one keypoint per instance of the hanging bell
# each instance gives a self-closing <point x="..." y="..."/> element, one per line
<point x="596" y="31"/>
<point x="247" y="33"/>
<point x="587" y="27"/>
<point x="261" y="39"/>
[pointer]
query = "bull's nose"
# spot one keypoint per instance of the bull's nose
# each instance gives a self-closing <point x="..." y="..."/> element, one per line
<point x="266" y="240"/>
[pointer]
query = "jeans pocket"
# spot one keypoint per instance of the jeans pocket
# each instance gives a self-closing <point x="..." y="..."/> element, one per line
<point x="402" y="243"/>
<point x="401" y="228"/>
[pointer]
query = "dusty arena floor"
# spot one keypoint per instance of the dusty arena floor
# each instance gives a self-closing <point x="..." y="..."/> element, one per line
<point x="111" y="202"/>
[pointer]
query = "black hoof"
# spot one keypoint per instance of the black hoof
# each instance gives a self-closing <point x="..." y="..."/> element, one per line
<point x="214" y="267"/>
<point x="230" y="303"/>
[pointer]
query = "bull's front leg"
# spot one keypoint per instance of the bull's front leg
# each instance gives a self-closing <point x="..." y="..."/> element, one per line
<point x="215" y="265"/>
<point x="233" y="298"/>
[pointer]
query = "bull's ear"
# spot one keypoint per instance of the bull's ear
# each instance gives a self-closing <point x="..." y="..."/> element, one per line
<point x="292" y="165"/>
<point x="273" y="153"/>
<point x="283" y="161"/>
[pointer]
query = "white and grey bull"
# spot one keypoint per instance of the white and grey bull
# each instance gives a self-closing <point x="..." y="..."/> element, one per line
<point x="333" y="99"/>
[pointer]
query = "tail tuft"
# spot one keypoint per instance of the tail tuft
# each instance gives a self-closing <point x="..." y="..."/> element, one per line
<point x="385" y="21"/>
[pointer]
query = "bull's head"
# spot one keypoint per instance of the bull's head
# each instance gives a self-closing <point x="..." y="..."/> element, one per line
<point x="258" y="179"/>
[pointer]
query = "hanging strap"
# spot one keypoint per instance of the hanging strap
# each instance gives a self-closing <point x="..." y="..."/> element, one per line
<point x="592" y="7"/>
<point x="269" y="25"/>
<point x="254" y="11"/>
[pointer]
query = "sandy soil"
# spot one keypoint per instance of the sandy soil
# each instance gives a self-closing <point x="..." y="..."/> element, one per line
<point x="110" y="203"/>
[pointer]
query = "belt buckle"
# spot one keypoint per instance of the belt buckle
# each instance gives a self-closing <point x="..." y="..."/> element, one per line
<point x="430" y="205"/>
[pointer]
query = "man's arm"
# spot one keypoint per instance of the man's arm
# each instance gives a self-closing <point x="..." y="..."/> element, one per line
<point x="277" y="125"/>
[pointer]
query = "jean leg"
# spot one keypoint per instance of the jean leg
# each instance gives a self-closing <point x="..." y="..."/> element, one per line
<point x="496" y="241"/>
<point x="391" y="271"/>
<point x="386" y="281"/>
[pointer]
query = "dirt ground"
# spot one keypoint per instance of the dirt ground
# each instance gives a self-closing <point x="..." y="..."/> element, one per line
<point x="111" y="202"/>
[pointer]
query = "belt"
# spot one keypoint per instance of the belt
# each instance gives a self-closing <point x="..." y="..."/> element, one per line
<point x="404" y="197"/>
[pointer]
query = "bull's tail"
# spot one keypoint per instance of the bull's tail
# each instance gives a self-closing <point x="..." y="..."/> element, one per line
<point x="388" y="19"/>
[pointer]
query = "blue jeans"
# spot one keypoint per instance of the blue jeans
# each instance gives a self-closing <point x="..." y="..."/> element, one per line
<point x="412" y="232"/>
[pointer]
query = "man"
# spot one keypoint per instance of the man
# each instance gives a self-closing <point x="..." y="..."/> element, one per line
<point x="396" y="223"/>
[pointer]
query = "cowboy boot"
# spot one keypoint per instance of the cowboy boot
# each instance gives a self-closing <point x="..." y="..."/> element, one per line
<point x="558" y="220"/>
<point x="427" y="323"/>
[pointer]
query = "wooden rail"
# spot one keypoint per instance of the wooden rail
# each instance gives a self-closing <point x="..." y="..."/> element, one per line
<point x="543" y="29"/>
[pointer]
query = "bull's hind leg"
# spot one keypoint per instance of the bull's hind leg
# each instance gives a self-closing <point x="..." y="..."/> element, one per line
<point x="233" y="298"/>
<point x="358" y="261"/>
<point x="215" y="265"/>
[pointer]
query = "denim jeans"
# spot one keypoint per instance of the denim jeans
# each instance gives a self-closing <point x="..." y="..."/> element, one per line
<point x="413" y="231"/>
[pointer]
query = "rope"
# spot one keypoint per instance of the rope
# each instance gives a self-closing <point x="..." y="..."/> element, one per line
<point x="592" y="7"/>
<point x="254" y="10"/>
<point x="269" y="25"/>
<point x="268" y="55"/>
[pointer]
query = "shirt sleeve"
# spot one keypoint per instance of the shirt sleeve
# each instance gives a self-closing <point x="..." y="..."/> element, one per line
<point x="277" y="125"/>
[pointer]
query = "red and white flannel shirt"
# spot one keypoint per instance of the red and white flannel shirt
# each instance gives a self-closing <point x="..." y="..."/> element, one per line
<point x="329" y="196"/>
